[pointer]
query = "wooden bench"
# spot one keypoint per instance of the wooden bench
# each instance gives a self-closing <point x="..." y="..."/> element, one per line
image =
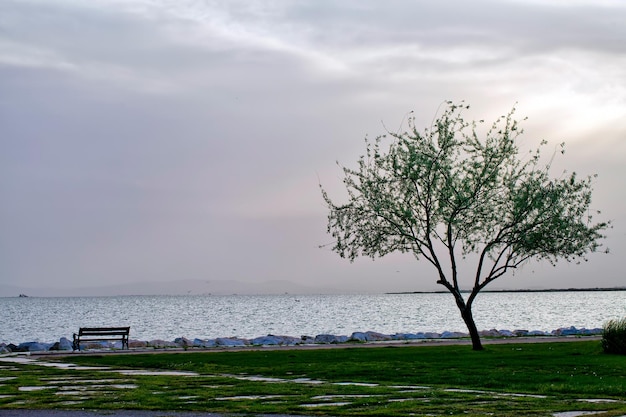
<point x="95" y="334"/>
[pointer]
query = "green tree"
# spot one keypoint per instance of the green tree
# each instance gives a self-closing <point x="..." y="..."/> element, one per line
<point x="454" y="197"/>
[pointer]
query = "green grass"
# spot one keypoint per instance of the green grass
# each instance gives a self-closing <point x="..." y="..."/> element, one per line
<point x="614" y="336"/>
<point x="438" y="380"/>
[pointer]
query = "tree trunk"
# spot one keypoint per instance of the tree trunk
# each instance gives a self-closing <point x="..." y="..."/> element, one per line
<point x="466" y="313"/>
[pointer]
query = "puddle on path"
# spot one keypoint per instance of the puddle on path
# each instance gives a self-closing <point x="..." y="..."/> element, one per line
<point x="510" y="394"/>
<point x="86" y="394"/>
<point x="339" y="404"/>
<point x="37" y="388"/>
<point x="15" y="359"/>
<point x="29" y="361"/>
<point x="257" y="378"/>
<point x="132" y="372"/>
<point x="250" y="397"/>
<point x="494" y="393"/>
<point x="598" y="400"/>
<point x="97" y="386"/>
<point x="305" y="381"/>
<point x="403" y="400"/>
<point x="332" y="397"/>
<point x="84" y="381"/>
<point x="356" y="384"/>
<point x="71" y="402"/>
<point x="576" y="413"/>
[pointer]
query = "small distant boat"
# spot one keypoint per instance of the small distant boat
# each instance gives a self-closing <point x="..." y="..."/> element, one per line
<point x="23" y="296"/>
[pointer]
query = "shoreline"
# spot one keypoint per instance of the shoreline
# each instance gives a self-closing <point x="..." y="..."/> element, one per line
<point x="361" y="345"/>
<point x="64" y="345"/>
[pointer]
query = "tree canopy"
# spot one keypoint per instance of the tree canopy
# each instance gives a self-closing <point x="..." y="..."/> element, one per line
<point x="450" y="192"/>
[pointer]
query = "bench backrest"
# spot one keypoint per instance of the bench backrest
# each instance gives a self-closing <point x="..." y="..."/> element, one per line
<point x="103" y="331"/>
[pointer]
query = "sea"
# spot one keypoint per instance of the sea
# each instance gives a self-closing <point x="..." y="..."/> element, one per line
<point x="40" y="319"/>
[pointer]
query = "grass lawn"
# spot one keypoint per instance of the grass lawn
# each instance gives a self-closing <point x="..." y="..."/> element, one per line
<point x="505" y="379"/>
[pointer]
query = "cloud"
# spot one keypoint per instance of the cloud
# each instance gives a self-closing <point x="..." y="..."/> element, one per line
<point x="146" y="137"/>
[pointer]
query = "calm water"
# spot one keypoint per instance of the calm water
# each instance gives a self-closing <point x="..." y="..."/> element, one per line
<point x="168" y="317"/>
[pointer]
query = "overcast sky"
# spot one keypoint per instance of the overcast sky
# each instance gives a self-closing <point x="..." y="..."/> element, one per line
<point x="160" y="140"/>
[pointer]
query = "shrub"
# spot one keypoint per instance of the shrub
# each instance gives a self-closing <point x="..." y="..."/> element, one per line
<point x="614" y="336"/>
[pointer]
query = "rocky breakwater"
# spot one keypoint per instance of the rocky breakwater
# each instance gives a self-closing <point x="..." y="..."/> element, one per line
<point x="65" y="344"/>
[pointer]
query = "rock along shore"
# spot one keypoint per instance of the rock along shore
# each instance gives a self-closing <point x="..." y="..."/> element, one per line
<point x="64" y="344"/>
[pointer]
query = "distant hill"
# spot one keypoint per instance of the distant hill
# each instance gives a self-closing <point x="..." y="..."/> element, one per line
<point x="180" y="287"/>
<point x="518" y="290"/>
